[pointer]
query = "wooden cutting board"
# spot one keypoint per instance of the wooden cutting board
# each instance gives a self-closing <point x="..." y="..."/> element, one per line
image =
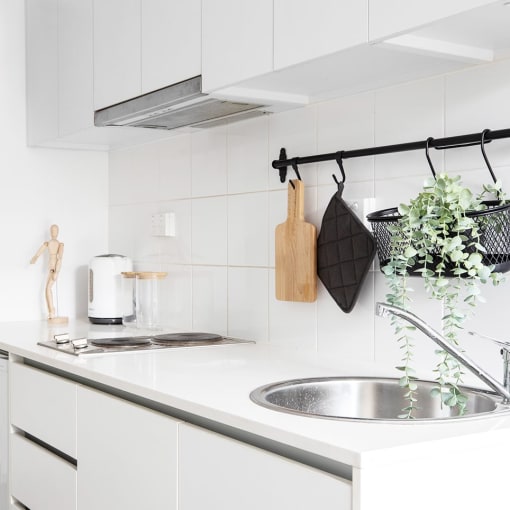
<point x="296" y="251"/>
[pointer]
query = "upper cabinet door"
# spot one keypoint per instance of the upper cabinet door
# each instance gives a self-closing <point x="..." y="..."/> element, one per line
<point x="75" y="70"/>
<point x="171" y="42"/>
<point x="237" y="41"/>
<point x="117" y="49"/>
<point x="305" y="30"/>
<point x="394" y="17"/>
<point x="42" y="70"/>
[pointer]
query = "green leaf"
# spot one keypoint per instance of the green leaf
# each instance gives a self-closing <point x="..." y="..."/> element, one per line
<point x="410" y="252"/>
<point x="435" y="392"/>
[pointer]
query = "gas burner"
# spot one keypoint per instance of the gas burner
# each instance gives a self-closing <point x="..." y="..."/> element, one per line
<point x="186" y="337"/>
<point x="126" y="341"/>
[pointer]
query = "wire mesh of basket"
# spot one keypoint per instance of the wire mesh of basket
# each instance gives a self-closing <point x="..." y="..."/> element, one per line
<point x="493" y="223"/>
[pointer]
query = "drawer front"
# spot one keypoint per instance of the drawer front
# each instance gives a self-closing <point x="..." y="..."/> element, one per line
<point x="219" y="473"/>
<point x="44" y="405"/>
<point x="127" y="454"/>
<point x="39" y="479"/>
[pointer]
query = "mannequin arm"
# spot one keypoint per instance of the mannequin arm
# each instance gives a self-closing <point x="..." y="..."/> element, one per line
<point x="60" y="256"/>
<point x="39" y="253"/>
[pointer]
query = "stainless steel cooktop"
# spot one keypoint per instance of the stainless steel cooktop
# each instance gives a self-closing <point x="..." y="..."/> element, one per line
<point x="82" y="346"/>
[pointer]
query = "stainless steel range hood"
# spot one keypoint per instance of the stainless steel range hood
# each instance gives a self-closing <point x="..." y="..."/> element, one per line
<point x="178" y="105"/>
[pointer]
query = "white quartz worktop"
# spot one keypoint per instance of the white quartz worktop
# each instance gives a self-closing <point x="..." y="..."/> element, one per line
<point x="214" y="382"/>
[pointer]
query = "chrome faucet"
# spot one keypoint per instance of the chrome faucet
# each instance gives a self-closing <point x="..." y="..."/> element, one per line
<point x="385" y="310"/>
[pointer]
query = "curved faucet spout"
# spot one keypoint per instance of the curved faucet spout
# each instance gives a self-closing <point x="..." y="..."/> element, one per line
<point x="385" y="310"/>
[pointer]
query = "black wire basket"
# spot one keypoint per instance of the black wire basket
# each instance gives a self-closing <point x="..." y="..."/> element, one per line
<point x="493" y="223"/>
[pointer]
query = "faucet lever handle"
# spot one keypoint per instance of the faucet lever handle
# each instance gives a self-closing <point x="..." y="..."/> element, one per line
<point x="503" y="344"/>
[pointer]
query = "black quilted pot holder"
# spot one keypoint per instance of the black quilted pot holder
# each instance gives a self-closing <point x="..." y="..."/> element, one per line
<point x="345" y="251"/>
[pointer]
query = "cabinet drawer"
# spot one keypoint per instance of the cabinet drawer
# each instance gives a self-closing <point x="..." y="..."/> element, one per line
<point x="127" y="454"/>
<point x="44" y="405"/>
<point x="39" y="479"/>
<point x="219" y="473"/>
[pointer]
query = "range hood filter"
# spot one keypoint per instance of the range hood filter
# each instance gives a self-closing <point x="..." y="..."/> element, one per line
<point x="179" y="105"/>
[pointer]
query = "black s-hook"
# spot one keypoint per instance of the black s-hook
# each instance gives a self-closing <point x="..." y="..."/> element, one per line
<point x="296" y="170"/>
<point x="338" y="157"/>
<point x="427" y="143"/>
<point x="482" y="146"/>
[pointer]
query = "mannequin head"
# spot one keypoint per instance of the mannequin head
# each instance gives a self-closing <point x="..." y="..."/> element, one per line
<point x="54" y="231"/>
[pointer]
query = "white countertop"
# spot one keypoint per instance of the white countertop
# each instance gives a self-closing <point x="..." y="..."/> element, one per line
<point x="214" y="382"/>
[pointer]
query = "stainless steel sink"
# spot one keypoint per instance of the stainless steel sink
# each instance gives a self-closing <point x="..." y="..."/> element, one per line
<point x="367" y="398"/>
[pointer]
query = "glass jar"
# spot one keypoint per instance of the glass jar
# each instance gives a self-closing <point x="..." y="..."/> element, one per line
<point x="129" y="298"/>
<point x="148" y="299"/>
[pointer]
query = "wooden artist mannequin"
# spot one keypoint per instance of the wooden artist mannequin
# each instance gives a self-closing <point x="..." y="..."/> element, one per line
<point x="56" y="252"/>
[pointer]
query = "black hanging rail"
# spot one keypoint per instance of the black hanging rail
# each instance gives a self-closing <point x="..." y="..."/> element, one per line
<point x="449" y="142"/>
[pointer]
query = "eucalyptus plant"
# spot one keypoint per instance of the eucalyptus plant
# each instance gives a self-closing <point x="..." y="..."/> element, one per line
<point x="435" y="238"/>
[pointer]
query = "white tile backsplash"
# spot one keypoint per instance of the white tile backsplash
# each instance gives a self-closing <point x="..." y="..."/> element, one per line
<point x="210" y="291"/>
<point x="295" y="131"/>
<point x="248" y="303"/>
<point x="346" y="124"/>
<point x="176" y="307"/>
<point x="209" y="231"/>
<point x="477" y="99"/>
<point x="209" y="162"/>
<point x="293" y="325"/>
<point x="248" y="155"/>
<point x="341" y="334"/>
<point x="247" y="230"/>
<point x="174" y="168"/>
<point x="407" y="113"/>
<point x="177" y="249"/>
<point x="228" y="200"/>
<point x="133" y="175"/>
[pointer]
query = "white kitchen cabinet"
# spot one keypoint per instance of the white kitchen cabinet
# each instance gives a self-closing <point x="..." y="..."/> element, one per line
<point x="219" y="473"/>
<point x="394" y="17"/>
<point x="75" y="76"/>
<point x="59" y="69"/>
<point x="39" y="479"/>
<point x="143" y="45"/>
<point x="117" y="51"/>
<point x="306" y="30"/>
<point x="127" y="455"/>
<point x="171" y="42"/>
<point x="237" y="41"/>
<point x="42" y="70"/>
<point x="43" y="405"/>
<point x="62" y="75"/>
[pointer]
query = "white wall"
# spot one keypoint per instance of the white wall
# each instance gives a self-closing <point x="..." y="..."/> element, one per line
<point x="228" y="200"/>
<point x="40" y="187"/>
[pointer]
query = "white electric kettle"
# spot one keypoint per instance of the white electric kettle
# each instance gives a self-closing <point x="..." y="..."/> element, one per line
<point x="105" y="288"/>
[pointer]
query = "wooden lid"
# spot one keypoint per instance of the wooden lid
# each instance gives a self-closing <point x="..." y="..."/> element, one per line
<point x="129" y="274"/>
<point x="150" y="275"/>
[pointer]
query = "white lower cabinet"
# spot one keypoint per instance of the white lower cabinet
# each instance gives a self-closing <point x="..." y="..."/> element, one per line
<point x="44" y="405"/>
<point x="118" y="455"/>
<point x="40" y="479"/>
<point x="219" y="473"/>
<point x="43" y="439"/>
<point x="127" y="455"/>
